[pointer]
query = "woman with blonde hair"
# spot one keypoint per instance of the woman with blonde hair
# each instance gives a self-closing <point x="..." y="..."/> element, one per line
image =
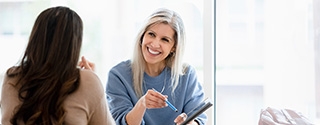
<point x="140" y="90"/>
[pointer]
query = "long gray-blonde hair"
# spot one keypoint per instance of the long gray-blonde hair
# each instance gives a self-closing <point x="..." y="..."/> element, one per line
<point x="174" y="60"/>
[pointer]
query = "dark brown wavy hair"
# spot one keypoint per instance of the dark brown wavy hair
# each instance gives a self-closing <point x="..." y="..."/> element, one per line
<point x="48" y="71"/>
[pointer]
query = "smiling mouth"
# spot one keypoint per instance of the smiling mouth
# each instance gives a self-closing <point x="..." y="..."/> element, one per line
<point x="153" y="52"/>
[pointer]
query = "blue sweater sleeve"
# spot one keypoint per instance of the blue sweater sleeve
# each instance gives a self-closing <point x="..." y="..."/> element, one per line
<point x="120" y="96"/>
<point x="194" y="94"/>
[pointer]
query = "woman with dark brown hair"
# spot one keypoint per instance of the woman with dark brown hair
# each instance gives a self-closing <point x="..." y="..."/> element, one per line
<point x="47" y="87"/>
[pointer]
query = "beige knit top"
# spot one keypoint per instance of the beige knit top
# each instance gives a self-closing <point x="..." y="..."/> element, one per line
<point x="86" y="106"/>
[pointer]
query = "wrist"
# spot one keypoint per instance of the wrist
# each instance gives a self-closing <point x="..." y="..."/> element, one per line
<point x="141" y="104"/>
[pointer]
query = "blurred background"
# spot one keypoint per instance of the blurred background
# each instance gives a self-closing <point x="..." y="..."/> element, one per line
<point x="249" y="54"/>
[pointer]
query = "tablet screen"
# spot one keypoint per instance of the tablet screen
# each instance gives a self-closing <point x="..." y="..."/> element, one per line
<point x="203" y="106"/>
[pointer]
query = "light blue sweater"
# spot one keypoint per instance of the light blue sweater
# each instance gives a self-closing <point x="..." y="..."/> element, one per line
<point x="122" y="98"/>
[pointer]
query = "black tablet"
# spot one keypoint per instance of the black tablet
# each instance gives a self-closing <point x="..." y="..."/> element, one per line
<point x="203" y="106"/>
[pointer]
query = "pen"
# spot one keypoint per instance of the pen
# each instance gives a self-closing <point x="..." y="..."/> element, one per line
<point x="169" y="104"/>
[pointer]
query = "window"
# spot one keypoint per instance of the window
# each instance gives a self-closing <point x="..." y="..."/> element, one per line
<point x="109" y="29"/>
<point x="266" y="56"/>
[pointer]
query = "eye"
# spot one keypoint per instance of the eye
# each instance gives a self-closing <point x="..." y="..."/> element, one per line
<point x="151" y="34"/>
<point x="165" y="39"/>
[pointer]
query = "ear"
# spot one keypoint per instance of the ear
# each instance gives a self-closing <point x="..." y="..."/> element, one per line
<point x="173" y="50"/>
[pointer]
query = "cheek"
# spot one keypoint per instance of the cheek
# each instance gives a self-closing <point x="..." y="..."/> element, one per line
<point x="168" y="50"/>
<point x="143" y="40"/>
<point x="143" y="43"/>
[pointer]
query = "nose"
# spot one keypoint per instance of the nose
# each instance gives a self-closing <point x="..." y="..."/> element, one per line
<point x="155" y="43"/>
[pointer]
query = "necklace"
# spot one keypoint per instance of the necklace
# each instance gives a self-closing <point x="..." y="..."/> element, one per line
<point x="164" y="82"/>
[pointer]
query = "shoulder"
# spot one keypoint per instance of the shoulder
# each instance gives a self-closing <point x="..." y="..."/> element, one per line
<point x="11" y="77"/>
<point x="189" y="73"/>
<point x="188" y="69"/>
<point x="124" y="66"/>
<point x="9" y="98"/>
<point x="88" y="75"/>
<point x="126" y="63"/>
<point x="90" y="88"/>
<point x="10" y="82"/>
<point x="82" y="104"/>
<point x="89" y="81"/>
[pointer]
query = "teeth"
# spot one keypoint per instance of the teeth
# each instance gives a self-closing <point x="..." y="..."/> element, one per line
<point x="153" y="52"/>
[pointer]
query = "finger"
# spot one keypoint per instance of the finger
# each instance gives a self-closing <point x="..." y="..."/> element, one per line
<point x="88" y="64"/>
<point x="182" y="117"/>
<point x="83" y="59"/>
<point x="158" y="97"/>
<point x="81" y="63"/>
<point x="153" y="101"/>
<point x="92" y="65"/>
<point x="158" y="94"/>
<point x="85" y="63"/>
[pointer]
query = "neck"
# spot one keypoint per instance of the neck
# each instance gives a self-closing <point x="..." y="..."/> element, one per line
<point x="154" y="70"/>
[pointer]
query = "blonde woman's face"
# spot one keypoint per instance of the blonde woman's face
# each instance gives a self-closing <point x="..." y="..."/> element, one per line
<point x="157" y="43"/>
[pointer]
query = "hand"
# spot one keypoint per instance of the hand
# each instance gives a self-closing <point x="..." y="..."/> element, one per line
<point x="182" y="117"/>
<point x="153" y="99"/>
<point x="85" y="64"/>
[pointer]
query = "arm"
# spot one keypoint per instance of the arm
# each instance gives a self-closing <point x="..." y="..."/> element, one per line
<point x="9" y="100"/>
<point x="125" y="107"/>
<point x="193" y="96"/>
<point x="102" y="115"/>
<point x="91" y="97"/>
<point x="135" y="116"/>
<point x="151" y="99"/>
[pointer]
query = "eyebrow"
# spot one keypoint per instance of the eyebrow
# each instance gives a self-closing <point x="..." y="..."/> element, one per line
<point x="169" y="38"/>
<point x="164" y="36"/>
